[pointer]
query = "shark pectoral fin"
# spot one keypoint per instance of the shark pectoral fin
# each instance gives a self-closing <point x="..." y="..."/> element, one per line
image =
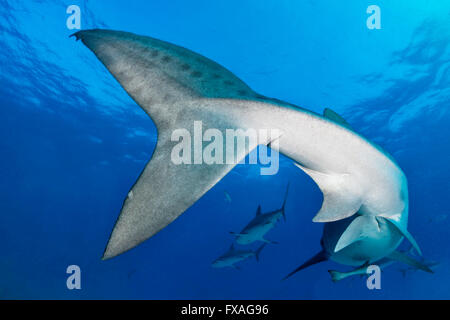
<point x="357" y="230"/>
<point x="404" y="258"/>
<point x="339" y="199"/>
<point x="402" y="228"/>
<point x="334" y="116"/>
<point x="258" y="251"/>
<point x="283" y="211"/>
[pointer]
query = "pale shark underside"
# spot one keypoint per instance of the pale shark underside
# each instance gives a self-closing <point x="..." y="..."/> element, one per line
<point x="176" y="87"/>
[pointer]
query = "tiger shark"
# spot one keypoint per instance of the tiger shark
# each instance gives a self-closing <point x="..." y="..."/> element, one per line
<point x="176" y="87"/>
<point x="233" y="256"/>
<point x="261" y="224"/>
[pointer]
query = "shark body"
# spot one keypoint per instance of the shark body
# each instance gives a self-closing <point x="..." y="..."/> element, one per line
<point x="233" y="256"/>
<point x="364" y="246"/>
<point x="176" y="86"/>
<point x="261" y="224"/>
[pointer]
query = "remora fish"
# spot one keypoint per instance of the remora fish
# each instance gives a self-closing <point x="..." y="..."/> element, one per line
<point x="338" y="275"/>
<point x="361" y="251"/>
<point x="176" y="86"/>
<point x="233" y="256"/>
<point x="424" y="265"/>
<point x="261" y="224"/>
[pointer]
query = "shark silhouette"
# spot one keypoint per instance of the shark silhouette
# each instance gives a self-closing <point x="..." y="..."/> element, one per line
<point x="176" y="86"/>
<point x="261" y="224"/>
<point x="233" y="256"/>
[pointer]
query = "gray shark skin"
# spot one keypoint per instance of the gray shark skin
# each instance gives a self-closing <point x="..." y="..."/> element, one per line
<point x="261" y="224"/>
<point x="233" y="256"/>
<point x="176" y="87"/>
<point x="368" y="245"/>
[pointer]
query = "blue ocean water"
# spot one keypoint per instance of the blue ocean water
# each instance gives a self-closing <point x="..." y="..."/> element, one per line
<point x="72" y="144"/>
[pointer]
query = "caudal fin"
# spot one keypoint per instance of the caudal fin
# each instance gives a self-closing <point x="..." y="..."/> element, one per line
<point x="169" y="83"/>
<point x="258" y="251"/>
<point x="284" y="202"/>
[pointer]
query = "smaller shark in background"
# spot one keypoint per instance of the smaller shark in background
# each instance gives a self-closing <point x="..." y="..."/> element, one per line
<point x="431" y="264"/>
<point x="261" y="224"/>
<point x="233" y="256"/>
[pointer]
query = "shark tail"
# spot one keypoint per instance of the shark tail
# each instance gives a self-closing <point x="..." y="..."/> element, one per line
<point x="258" y="251"/>
<point x="284" y="202"/>
<point x="319" y="257"/>
<point x="169" y="83"/>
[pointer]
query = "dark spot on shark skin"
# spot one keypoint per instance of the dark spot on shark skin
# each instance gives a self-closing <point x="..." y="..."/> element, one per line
<point x="166" y="59"/>
<point x="167" y="97"/>
<point x="215" y="76"/>
<point x="154" y="53"/>
<point x="196" y="74"/>
<point x="242" y="93"/>
<point x="185" y="67"/>
<point x="228" y="82"/>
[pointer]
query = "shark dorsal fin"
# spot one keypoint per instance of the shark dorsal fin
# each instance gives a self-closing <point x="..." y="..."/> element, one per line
<point x="258" y="211"/>
<point x="333" y="116"/>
